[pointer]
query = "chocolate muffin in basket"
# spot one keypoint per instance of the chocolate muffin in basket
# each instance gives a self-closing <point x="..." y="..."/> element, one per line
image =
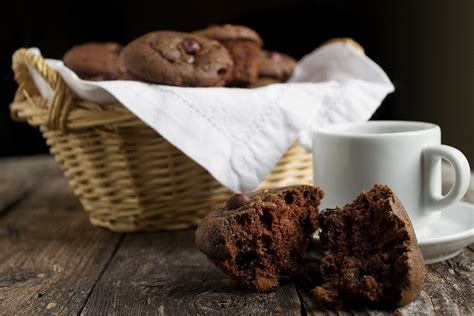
<point x="261" y="238"/>
<point x="370" y="252"/>
<point x="95" y="61"/>
<point x="274" y="67"/>
<point x="177" y="59"/>
<point x="244" y="45"/>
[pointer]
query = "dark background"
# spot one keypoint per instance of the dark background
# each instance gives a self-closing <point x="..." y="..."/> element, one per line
<point x="425" y="46"/>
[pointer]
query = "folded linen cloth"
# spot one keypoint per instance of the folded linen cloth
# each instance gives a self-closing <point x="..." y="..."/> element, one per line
<point x="236" y="134"/>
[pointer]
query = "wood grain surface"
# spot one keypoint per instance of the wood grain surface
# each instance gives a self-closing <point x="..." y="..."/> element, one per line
<point x="53" y="262"/>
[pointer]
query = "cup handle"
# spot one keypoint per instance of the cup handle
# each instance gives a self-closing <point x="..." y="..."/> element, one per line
<point x="432" y="156"/>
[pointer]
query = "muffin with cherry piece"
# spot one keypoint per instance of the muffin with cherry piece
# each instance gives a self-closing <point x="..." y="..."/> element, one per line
<point x="177" y="59"/>
<point x="261" y="238"/>
<point x="244" y="45"/>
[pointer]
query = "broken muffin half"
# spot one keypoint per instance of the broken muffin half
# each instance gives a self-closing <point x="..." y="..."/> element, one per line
<point x="261" y="238"/>
<point x="370" y="252"/>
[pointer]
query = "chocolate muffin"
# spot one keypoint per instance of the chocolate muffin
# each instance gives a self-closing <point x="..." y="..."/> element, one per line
<point x="370" y="252"/>
<point x="177" y="59"/>
<point x="244" y="44"/>
<point x="261" y="238"/>
<point x="275" y="65"/>
<point x="95" y="61"/>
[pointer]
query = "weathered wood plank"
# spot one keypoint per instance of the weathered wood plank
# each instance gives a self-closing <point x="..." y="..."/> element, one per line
<point x="450" y="285"/>
<point x="50" y="256"/>
<point x="163" y="273"/>
<point x="18" y="176"/>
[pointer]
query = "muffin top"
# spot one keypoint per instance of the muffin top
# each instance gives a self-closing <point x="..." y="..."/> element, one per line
<point x="95" y="60"/>
<point x="179" y="59"/>
<point x="229" y="32"/>
<point x="275" y="65"/>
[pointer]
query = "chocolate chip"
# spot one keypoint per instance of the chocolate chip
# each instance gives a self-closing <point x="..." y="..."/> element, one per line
<point x="190" y="46"/>
<point x="237" y="200"/>
<point x="222" y="71"/>
<point x="273" y="55"/>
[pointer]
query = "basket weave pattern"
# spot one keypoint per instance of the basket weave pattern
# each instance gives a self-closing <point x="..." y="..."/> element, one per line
<point x="127" y="177"/>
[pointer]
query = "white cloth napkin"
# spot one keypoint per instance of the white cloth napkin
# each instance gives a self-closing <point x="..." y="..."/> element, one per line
<point x="238" y="135"/>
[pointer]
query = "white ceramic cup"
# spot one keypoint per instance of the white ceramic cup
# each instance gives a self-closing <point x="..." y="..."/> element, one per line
<point x="350" y="158"/>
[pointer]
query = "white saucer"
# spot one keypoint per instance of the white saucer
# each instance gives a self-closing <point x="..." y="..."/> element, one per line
<point x="445" y="239"/>
<point x="453" y="231"/>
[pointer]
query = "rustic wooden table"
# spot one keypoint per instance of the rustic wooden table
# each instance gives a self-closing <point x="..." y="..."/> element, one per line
<point x="52" y="261"/>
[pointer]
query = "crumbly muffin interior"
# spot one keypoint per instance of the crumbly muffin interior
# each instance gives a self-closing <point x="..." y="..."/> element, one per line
<point x="365" y="250"/>
<point x="270" y="241"/>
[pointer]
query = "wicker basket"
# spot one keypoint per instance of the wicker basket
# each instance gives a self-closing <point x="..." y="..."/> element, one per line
<point x="127" y="177"/>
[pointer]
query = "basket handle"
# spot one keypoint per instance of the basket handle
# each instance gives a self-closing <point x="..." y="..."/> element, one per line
<point x="61" y="102"/>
